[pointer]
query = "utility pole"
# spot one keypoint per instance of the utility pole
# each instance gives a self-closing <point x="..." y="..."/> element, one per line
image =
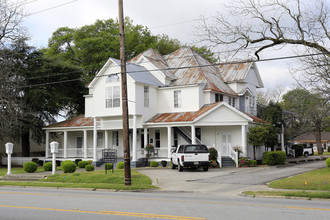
<point x="127" y="156"/>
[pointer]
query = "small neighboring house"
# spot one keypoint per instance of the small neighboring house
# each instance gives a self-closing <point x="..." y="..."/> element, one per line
<point x="174" y="99"/>
<point x="310" y="138"/>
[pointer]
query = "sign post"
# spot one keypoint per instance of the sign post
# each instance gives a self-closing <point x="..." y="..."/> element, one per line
<point x="109" y="156"/>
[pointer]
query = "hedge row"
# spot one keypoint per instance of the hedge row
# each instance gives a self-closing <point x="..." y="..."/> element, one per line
<point x="274" y="158"/>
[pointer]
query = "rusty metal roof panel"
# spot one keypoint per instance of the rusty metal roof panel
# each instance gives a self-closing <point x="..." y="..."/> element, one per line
<point x="80" y="121"/>
<point x="234" y="72"/>
<point x="191" y="68"/>
<point x="181" y="116"/>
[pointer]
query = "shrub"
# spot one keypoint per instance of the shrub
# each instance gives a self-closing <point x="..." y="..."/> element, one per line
<point x="30" y="167"/>
<point x="68" y="166"/>
<point x="298" y="150"/>
<point x="48" y="166"/>
<point x="89" y="167"/>
<point x="108" y="166"/>
<point x="213" y="164"/>
<point x="213" y="153"/>
<point x="327" y="162"/>
<point x="252" y="163"/>
<point x="154" y="164"/>
<point x="41" y="163"/>
<point x="273" y="158"/>
<point x="77" y="161"/>
<point x="164" y="163"/>
<point x="82" y="164"/>
<point x="329" y="149"/>
<point x="120" y="165"/>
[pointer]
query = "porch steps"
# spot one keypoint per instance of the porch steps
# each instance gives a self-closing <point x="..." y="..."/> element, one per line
<point x="227" y="162"/>
<point x="182" y="134"/>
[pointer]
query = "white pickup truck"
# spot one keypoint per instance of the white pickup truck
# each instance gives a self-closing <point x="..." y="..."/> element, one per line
<point x="190" y="155"/>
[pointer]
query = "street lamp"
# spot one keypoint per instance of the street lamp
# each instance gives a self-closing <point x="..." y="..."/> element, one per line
<point x="9" y="151"/>
<point x="54" y="150"/>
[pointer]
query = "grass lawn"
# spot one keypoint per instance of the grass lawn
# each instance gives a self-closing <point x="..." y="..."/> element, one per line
<point x="16" y="170"/>
<point x="92" y="180"/>
<point x="324" y="153"/>
<point x="313" y="184"/>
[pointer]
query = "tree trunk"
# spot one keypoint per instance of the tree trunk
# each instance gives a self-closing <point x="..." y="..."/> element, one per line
<point x="318" y="142"/>
<point x="254" y="153"/>
<point x="25" y="143"/>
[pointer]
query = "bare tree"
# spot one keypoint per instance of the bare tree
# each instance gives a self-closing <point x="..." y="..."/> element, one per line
<point x="257" y="25"/>
<point x="11" y="17"/>
<point x="270" y="95"/>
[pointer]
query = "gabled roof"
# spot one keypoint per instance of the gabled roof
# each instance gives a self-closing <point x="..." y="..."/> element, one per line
<point x="238" y="72"/>
<point x="136" y="72"/>
<point x="200" y="71"/>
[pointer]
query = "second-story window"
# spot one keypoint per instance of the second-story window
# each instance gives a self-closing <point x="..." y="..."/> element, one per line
<point x="146" y="96"/>
<point x="229" y="100"/>
<point x="218" y="98"/>
<point x="234" y="100"/>
<point x="177" y="99"/>
<point x="112" y="97"/>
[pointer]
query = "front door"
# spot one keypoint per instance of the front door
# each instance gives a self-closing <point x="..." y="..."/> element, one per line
<point x="226" y="145"/>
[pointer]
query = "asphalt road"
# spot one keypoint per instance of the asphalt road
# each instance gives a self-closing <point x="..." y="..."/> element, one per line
<point x="36" y="203"/>
<point x="225" y="181"/>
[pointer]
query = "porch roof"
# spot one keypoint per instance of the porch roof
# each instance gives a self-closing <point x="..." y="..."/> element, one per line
<point x="79" y="121"/>
<point x="193" y="116"/>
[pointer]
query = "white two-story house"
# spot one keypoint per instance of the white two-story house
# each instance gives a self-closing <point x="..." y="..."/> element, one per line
<point x="174" y="99"/>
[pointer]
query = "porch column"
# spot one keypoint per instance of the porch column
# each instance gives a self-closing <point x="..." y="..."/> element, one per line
<point x="134" y="139"/>
<point x="282" y="138"/>
<point x="244" y="146"/>
<point x="106" y="139"/>
<point x="65" y="145"/>
<point x="145" y="136"/>
<point x="85" y="143"/>
<point x="193" y="134"/>
<point x="47" y="145"/>
<point x="169" y="141"/>
<point x="94" y="141"/>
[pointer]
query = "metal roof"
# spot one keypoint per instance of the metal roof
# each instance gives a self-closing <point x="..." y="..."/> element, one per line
<point x="79" y="121"/>
<point x="234" y="72"/>
<point x="202" y="72"/>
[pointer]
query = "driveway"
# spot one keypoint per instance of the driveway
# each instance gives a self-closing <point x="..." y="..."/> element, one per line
<point x="225" y="181"/>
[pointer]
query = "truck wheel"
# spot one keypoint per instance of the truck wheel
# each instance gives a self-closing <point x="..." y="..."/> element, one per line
<point x="205" y="168"/>
<point x="180" y="168"/>
<point x="172" y="165"/>
<point x="306" y="154"/>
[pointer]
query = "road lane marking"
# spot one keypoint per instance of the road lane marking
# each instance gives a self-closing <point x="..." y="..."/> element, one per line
<point x="170" y="200"/>
<point x="132" y="214"/>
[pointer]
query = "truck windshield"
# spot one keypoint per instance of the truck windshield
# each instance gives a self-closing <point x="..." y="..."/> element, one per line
<point x="196" y="149"/>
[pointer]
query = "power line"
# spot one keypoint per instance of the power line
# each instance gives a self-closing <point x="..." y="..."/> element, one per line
<point x="177" y="68"/>
<point x="47" y="9"/>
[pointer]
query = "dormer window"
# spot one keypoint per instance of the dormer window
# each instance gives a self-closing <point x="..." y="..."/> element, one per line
<point x="218" y="98"/>
<point x="112" y="78"/>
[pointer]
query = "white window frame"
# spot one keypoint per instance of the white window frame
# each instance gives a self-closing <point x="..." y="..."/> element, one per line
<point x="112" y="97"/>
<point x="146" y="96"/>
<point x="177" y="98"/>
<point x="115" y="138"/>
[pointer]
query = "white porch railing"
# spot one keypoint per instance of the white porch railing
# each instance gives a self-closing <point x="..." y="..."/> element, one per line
<point x="158" y="152"/>
<point x="234" y="156"/>
<point x="79" y="153"/>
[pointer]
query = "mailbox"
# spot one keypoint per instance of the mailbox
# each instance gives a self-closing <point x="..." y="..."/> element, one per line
<point x="9" y="148"/>
<point x="54" y="147"/>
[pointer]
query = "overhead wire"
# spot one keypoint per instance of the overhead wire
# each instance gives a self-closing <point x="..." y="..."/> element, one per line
<point x="166" y="69"/>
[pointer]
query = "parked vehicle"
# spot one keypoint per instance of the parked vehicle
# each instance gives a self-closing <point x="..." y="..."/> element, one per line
<point x="298" y="150"/>
<point x="308" y="150"/>
<point x="189" y="156"/>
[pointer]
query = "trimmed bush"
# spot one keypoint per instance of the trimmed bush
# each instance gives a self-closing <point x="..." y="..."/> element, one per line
<point x="30" y="167"/>
<point x="298" y="149"/>
<point x="48" y="166"/>
<point x="327" y="162"/>
<point x="154" y="164"/>
<point x="164" y="163"/>
<point x="89" y="167"/>
<point x="108" y="166"/>
<point x="77" y="161"/>
<point x="252" y="163"/>
<point x="273" y="158"/>
<point x="120" y="165"/>
<point x="36" y="160"/>
<point x="82" y="164"/>
<point x="68" y="166"/>
<point x="213" y="153"/>
<point x="41" y="163"/>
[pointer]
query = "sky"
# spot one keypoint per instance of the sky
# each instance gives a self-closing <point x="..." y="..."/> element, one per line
<point x="176" y="18"/>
